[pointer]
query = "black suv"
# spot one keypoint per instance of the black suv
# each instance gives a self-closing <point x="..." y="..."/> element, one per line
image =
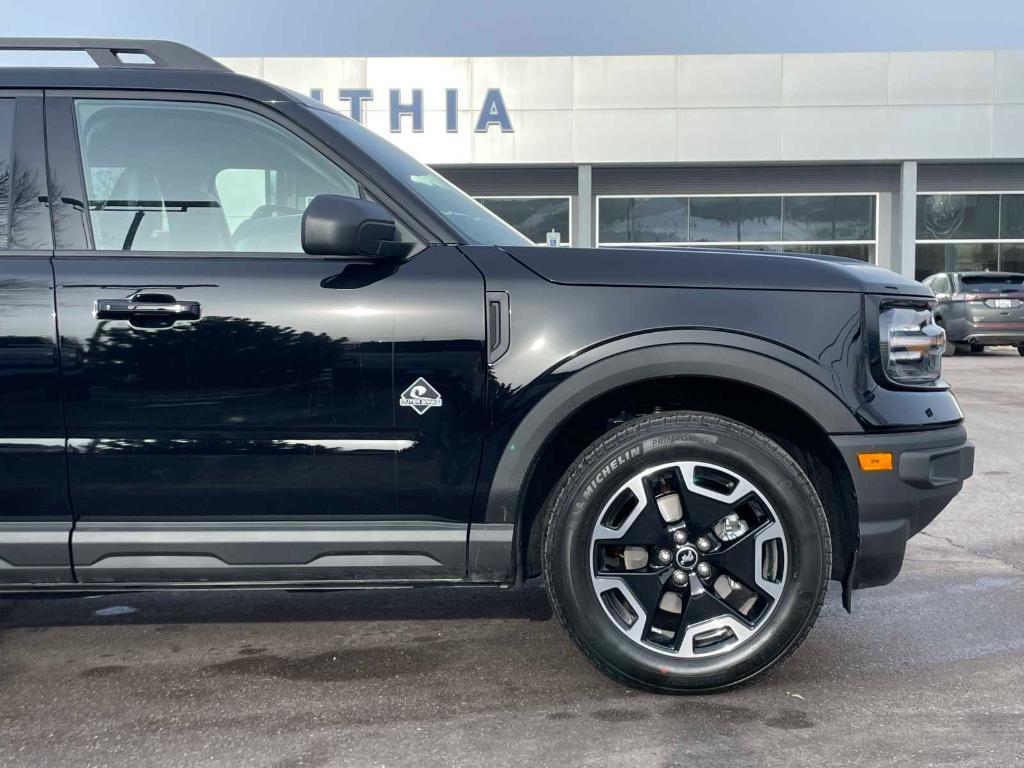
<point x="247" y="342"/>
<point x="979" y="309"/>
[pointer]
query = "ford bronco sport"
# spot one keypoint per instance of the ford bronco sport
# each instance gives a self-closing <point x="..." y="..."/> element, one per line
<point x="248" y="343"/>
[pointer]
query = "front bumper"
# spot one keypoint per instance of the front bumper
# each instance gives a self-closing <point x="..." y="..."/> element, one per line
<point x="929" y="469"/>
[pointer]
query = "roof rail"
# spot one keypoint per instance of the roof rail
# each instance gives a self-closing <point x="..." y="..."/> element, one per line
<point x="106" y="52"/>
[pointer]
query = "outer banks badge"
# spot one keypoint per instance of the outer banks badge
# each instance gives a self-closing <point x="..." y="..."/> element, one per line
<point x="420" y="396"/>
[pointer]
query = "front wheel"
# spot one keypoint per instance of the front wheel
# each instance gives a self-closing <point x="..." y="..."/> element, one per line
<point x="686" y="553"/>
<point x="1020" y="350"/>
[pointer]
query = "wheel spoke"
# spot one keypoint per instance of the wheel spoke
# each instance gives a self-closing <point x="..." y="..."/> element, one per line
<point x="704" y="605"/>
<point x="646" y="588"/>
<point x="737" y="559"/>
<point x="741" y="560"/>
<point x="643" y="527"/>
<point x="701" y="512"/>
<point x="643" y="591"/>
<point x="704" y="504"/>
<point x="647" y="529"/>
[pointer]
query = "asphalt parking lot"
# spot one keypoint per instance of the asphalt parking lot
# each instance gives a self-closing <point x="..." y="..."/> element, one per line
<point x="928" y="671"/>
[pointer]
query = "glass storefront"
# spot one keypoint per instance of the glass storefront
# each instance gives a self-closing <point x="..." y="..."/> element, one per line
<point x="969" y="231"/>
<point x="839" y="224"/>
<point x="534" y="217"/>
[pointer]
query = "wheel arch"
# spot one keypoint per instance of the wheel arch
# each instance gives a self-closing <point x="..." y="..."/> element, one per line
<point x="655" y="373"/>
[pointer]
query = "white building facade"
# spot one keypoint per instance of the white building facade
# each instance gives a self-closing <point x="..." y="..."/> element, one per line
<point x="914" y="161"/>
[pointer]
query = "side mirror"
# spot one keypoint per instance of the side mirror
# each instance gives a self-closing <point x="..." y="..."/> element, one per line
<point x="333" y="225"/>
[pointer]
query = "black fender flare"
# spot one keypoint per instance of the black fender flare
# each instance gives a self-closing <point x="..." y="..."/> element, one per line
<point x="713" y="354"/>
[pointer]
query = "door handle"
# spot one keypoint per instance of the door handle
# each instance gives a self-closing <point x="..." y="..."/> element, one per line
<point x="147" y="307"/>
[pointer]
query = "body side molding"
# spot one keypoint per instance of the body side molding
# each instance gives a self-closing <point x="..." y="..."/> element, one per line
<point x="246" y="550"/>
<point x="34" y="552"/>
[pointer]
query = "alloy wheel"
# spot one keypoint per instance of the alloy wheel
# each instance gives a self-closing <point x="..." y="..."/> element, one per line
<point x="688" y="559"/>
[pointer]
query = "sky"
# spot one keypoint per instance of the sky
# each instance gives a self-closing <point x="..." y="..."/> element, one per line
<point x="531" y="27"/>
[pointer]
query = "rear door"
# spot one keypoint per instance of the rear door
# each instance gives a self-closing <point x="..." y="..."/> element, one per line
<point x="35" y="518"/>
<point x="236" y="416"/>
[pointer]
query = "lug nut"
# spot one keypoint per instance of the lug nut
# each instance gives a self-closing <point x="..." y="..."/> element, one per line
<point x="703" y="570"/>
<point x="703" y="544"/>
<point x="679" y="577"/>
<point x="679" y="537"/>
<point x="664" y="557"/>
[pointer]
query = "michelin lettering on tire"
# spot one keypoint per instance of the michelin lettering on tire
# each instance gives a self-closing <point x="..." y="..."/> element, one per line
<point x="607" y="469"/>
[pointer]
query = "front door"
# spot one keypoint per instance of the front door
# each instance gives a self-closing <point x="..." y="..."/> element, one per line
<point x="236" y="413"/>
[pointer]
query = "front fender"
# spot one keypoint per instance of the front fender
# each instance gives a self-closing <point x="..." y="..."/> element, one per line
<point x="712" y="354"/>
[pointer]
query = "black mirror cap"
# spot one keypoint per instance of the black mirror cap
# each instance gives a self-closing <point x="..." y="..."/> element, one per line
<point x="333" y="225"/>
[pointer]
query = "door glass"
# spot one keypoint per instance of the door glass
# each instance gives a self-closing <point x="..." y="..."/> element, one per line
<point x="6" y="139"/>
<point x="181" y="176"/>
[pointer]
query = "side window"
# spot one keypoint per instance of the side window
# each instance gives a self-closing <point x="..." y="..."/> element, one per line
<point x="940" y="285"/>
<point x="6" y="148"/>
<point x="184" y="176"/>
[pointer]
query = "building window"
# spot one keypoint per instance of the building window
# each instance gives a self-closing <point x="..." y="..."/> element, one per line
<point x="534" y="217"/>
<point x="968" y="230"/>
<point x="840" y="224"/>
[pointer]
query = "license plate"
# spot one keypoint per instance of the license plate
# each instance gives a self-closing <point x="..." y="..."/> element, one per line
<point x="1000" y="303"/>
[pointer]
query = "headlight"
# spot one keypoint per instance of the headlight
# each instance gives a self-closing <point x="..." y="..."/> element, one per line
<point x="911" y="345"/>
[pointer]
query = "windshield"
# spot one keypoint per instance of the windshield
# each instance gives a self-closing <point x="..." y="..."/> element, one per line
<point x="993" y="283"/>
<point x="474" y="223"/>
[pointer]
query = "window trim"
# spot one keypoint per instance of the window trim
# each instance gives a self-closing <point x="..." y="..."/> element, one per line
<point x="376" y="192"/>
<point x="537" y="197"/>
<point x="780" y="244"/>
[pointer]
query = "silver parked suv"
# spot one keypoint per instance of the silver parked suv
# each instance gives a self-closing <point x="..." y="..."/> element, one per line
<point x="979" y="309"/>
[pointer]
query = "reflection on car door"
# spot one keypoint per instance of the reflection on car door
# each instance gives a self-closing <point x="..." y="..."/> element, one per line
<point x="35" y="517"/>
<point x="236" y="413"/>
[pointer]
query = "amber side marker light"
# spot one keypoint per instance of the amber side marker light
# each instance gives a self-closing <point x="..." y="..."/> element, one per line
<point x="875" y="462"/>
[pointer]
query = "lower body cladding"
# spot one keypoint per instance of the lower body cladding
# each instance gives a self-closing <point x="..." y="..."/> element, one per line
<point x="299" y="552"/>
<point x="928" y="470"/>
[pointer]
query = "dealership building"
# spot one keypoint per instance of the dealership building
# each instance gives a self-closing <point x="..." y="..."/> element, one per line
<point x="913" y="161"/>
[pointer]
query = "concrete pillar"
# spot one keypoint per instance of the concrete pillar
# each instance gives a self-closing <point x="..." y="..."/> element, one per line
<point x="886" y="238"/>
<point x="904" y="251"/>
<point x="583" y="211"/>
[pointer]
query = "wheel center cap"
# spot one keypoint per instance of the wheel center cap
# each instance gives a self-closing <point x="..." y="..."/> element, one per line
<point x="687" y="557"/>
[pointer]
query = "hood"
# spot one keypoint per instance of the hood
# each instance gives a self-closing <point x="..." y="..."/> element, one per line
<point x="711" y="268"/>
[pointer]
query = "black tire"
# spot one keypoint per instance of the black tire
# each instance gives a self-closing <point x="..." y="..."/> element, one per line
<point x="977" y="349"/>
<point x="647" y="442"/>
<point x="1020" y="350"/>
